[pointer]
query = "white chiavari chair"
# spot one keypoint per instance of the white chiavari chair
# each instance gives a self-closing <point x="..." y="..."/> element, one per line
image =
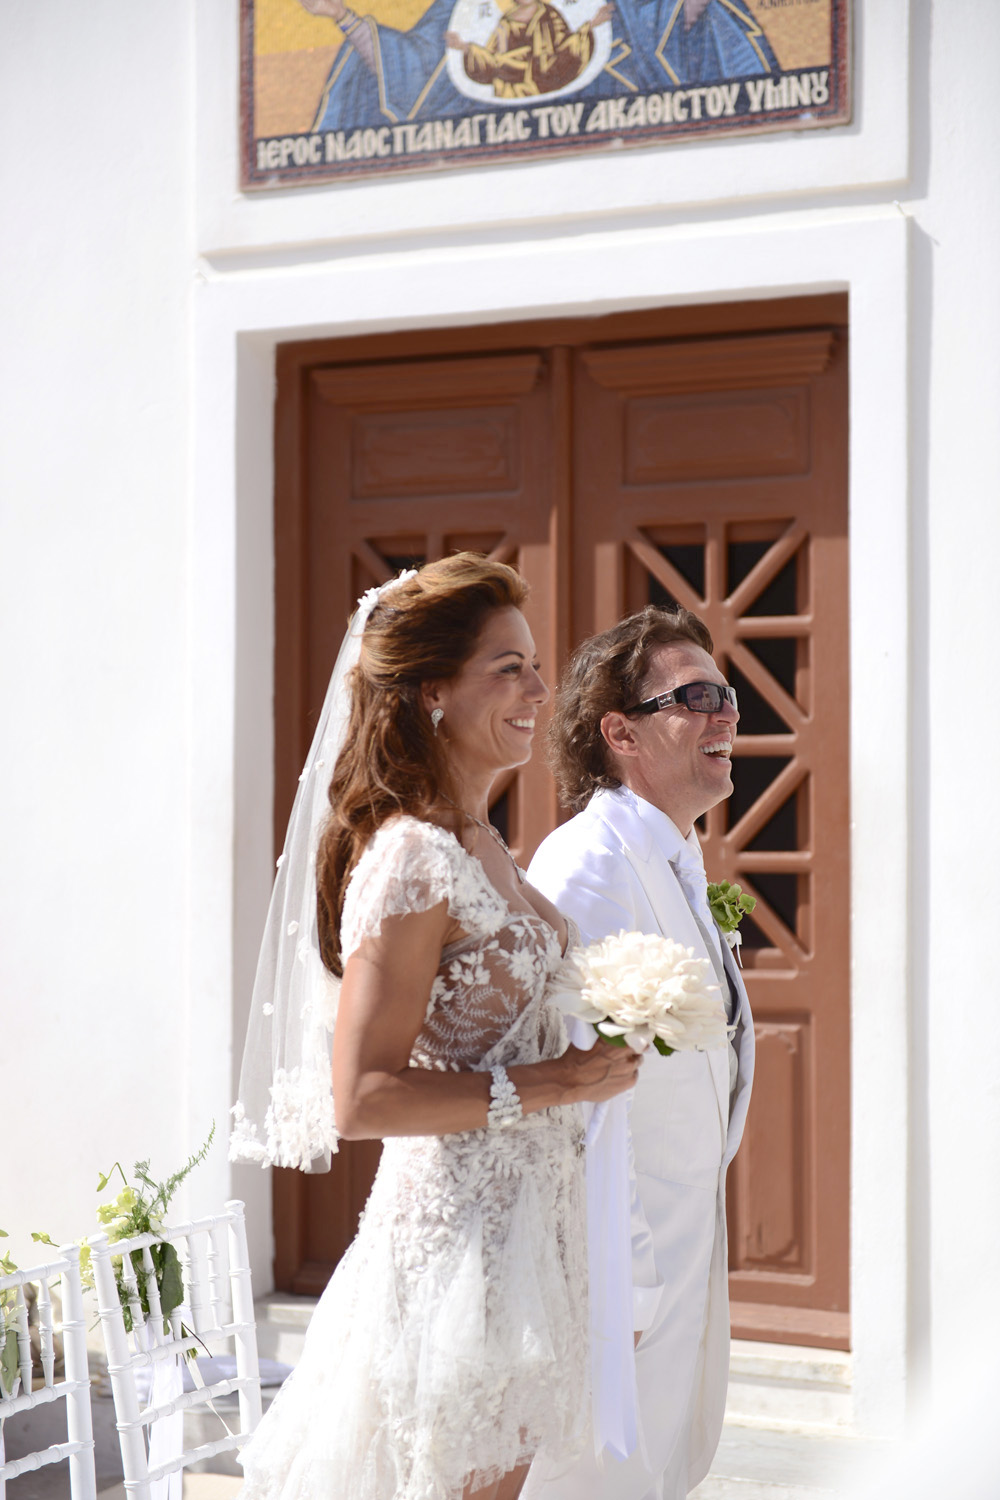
<point x="215" y="1316"/>
<point x="74" y="1388"/>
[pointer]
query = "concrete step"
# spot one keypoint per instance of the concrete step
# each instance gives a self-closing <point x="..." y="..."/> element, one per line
<point x="282" y="1321"/>
<point x="788" y="1413"/>
<point x="754" y="1463"/>
<point x="751" y="1464"/>
<point x="789" y="1388"/>
<point x="196" y="1487"/>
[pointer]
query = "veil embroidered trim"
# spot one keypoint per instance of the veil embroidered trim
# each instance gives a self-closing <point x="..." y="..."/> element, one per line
<point x="283" y="1115"/>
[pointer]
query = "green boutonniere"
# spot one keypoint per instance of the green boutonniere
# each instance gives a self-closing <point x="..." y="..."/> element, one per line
<point x="729" y="904"/>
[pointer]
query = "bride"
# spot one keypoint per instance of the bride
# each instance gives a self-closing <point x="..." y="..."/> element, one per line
<point x="451" y="1343"/>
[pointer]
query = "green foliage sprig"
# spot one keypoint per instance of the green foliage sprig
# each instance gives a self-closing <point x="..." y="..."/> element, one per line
<point x="8" y="1325"/>
<point x="8" y="1316"/>
<point x="729" y="904"/>
<point x="140" y="1210"/>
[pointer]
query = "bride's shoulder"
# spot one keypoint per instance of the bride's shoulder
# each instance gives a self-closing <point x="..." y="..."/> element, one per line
<point x="403" y="838"/>
<point x="410" y="865"/>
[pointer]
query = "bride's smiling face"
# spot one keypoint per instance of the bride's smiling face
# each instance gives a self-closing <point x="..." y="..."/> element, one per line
<point x="491" y="706"/>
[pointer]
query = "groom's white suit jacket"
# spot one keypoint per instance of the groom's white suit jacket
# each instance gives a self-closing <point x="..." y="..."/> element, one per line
<point x="609" y="868"/>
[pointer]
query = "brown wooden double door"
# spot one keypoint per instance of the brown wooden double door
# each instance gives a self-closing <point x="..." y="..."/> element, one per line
<point x="696" y="456"/>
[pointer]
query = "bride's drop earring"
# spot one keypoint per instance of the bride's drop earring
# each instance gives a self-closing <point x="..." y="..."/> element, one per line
<point x="437" y="714"/>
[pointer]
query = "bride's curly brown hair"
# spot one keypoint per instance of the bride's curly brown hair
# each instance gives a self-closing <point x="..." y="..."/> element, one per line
<point x="421" y="630"/>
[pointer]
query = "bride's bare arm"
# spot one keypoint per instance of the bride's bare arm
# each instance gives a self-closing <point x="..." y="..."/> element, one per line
<point x="383" y="1000"/>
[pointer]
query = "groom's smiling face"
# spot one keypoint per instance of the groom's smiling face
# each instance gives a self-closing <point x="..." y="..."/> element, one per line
<point x="677" y="759"/>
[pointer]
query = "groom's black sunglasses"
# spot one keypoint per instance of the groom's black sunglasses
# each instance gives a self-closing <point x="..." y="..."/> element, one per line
<point x="699" y="697"/>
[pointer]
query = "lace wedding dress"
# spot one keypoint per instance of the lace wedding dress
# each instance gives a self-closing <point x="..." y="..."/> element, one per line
<point x="451" y="1341"/>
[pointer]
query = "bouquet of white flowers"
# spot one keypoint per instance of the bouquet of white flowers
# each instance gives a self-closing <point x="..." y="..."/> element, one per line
<point x="640" y="990"/>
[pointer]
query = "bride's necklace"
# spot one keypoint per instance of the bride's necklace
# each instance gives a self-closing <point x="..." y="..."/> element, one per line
<point x="494" y="834"/>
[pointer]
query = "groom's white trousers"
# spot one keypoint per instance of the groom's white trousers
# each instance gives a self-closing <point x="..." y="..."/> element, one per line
<point x="676" y="1443"/>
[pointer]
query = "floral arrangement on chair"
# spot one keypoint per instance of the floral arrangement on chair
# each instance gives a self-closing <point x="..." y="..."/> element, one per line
<point x="9" y="1318"/>
<point x="136" y="1210"/>
<point x="140" y="1210"/>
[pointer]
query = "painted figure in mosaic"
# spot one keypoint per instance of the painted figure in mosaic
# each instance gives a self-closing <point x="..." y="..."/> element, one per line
<point x="382" y="76"/>
<point x="532" y="51"/>
<point x="668" y="44"/>
<point x="708" y="42"/>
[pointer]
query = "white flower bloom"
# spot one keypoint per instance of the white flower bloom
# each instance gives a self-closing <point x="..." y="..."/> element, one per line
<point x="644" y="987"/>
<point x="300" y="1123"/>
<point x="522" y="965"/>
<point x="368" y="601"/>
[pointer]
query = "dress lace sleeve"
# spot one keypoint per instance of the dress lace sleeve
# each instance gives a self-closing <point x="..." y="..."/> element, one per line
<point x="411" y="866"/>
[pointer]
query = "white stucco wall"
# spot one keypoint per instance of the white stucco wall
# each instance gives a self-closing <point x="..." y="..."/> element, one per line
<point x="956" y="508"/>
<point x="95" y="304"/>
<point x="143" y="300"/>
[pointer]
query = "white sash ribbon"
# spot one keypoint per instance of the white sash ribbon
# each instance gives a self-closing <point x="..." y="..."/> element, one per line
<point x="609" y="1255"/>
<point x="166" y="1436"/>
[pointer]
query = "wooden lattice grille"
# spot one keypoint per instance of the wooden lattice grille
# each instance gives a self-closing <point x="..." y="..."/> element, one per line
<point x="722" y="490"/>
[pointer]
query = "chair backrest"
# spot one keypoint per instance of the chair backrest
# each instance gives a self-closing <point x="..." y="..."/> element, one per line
<point x="74" y="1388"/>
<point x="215" y="1313"/>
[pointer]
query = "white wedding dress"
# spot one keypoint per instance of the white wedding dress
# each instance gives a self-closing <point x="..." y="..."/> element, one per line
<point x="451" y="1342"/>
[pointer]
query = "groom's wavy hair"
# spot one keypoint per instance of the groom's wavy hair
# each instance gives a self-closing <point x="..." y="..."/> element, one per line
<point x="422" y="630"/>
<point x="606" y="674"/>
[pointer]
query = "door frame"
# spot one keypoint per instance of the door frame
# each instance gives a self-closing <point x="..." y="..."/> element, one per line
<point x="240" y="320"/>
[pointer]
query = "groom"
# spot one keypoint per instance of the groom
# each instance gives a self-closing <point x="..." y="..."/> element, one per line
<point x="642" y="735"/>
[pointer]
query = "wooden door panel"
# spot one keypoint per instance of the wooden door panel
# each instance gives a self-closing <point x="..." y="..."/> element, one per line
<point x="435" y="453"/>
<point x="711" y="475"/>
<point x="404" y="463"/>
<point x="672" y="439"/>
<point x="778" y="1156"/>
